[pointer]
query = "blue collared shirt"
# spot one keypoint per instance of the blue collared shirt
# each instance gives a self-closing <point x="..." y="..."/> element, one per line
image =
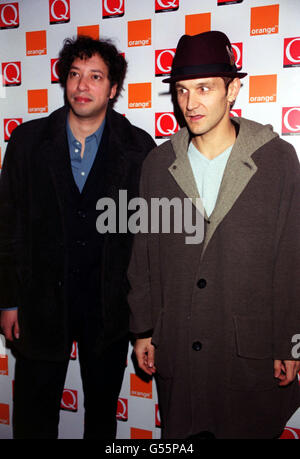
<point x="81" y="166"/>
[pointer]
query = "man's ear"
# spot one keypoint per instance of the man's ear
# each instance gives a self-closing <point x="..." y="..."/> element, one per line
<point x="113" y="91"/>
<point x="233" y="90"/>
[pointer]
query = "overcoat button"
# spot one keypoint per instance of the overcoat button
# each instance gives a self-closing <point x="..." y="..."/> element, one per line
<point x="201" y="283"/>
<point x="197" y="346"/>
<point x="81" y="213"/>
<point x="81" y="243"/>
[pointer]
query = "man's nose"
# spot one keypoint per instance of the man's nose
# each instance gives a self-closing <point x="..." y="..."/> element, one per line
<point x="83" y="83"/>
<point x="192" y="101"/>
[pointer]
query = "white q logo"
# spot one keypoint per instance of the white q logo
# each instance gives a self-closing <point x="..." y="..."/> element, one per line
<point x="15" y="79"/>
<point x="122" y="410"/>
<point x="72" y="404"/>
<point x="116" y="10"/>
<point x="158" y="417"/>
<point x="54" y="70"/>
<point x="62" y="16"/>
<point x="295" y="435"/>
<point x="288" y="52"/>
<point x="166" y="132"/>
<point x="159" y="64"/>
<point x="168" y="5"/>
<point x="286" y="119"/>
<point x="9" y="122"/>
<point x="11" y="21"/>
<point x="238" y="54"/>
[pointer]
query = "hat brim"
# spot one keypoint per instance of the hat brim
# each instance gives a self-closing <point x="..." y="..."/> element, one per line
<point x="173" y="79"/>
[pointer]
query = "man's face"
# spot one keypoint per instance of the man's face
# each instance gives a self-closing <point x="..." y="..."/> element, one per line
<point x="88" y="88"/>
<point x="204" y="102"/>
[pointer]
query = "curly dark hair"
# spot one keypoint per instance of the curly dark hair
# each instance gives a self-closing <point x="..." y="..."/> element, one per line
<point x="86" y="47"/>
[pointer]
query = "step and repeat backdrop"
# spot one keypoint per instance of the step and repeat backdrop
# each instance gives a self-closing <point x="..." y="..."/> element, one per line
<point x="265" y="35"/>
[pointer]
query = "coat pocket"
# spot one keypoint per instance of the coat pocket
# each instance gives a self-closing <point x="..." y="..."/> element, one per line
<point x="252" y="365"/>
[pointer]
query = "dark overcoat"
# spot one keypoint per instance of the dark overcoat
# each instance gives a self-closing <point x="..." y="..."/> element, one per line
<point x="223" y="310"/>
<point x="35" y="180"/>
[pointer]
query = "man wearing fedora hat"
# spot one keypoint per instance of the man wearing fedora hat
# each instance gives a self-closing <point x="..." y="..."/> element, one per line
<point x="218" y="322"/>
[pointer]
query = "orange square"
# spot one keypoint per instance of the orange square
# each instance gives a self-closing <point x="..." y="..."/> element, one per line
<point x="197" y="23"/>
<point x="140" y="433"/>
<point x="139" y="95"/>
<point x="264" y="20"/>
<point x="92" y="31"/>
<point x="139" y="33"/>
<point x="4" y="413"/>
<point x="36" y="43"/>
<point x="3" y="365"/>
<point x="140" y="388"/>
<point x="37" y="100"/>
<point x="262" y="88"/>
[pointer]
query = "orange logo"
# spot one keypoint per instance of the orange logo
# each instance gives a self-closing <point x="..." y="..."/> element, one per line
<point x="36" y="43"/>
<point x="262" y="88"/>
<point x="4" y="413"/>
<point x="140" y="388"/>
<point x="37" y="100"/>
<point x="264" y="20"/>
<point x="4" y="365"/>
<point x="197" y="23"/>
<point x="139" y="33"/>
<point x="140" y="433"/>
<point x="139" y="95"/>
<point x="92" y="31"/>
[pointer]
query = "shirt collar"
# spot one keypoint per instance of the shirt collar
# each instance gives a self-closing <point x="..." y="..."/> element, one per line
<point x="97" y="134"/>
<point x="193" y="151"/>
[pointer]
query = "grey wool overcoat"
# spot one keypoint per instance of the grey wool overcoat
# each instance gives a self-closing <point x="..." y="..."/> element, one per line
<point x="222" y="310"/>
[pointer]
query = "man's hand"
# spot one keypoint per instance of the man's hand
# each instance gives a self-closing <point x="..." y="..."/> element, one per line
<point x="9" y="324"/>
<point x="144" y="352"/>
<point x="286" y="371"/>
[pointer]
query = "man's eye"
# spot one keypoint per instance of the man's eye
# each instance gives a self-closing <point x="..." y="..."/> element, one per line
<point x="96" y="77"/>
<point x="181" y="91"/>
<point x="204" y="89"/>
<point x="72" y="74"/>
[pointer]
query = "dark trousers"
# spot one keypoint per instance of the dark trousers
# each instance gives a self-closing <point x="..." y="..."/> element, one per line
<point x="39" y="386"/>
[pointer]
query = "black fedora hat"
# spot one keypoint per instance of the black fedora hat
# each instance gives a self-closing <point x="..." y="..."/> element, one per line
<point x="207" y="54"/>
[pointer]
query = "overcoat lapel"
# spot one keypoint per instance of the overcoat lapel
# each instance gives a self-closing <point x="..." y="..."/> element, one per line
<point x="56" y="153"/>
<point x="239" y="170"/>
<point x="181" y="169"/>
<point x="237" y="174"/>
<point x="116" y="162"/>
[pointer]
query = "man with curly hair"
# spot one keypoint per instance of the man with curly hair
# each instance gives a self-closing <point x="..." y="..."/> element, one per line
<point x="60" y="280"/>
